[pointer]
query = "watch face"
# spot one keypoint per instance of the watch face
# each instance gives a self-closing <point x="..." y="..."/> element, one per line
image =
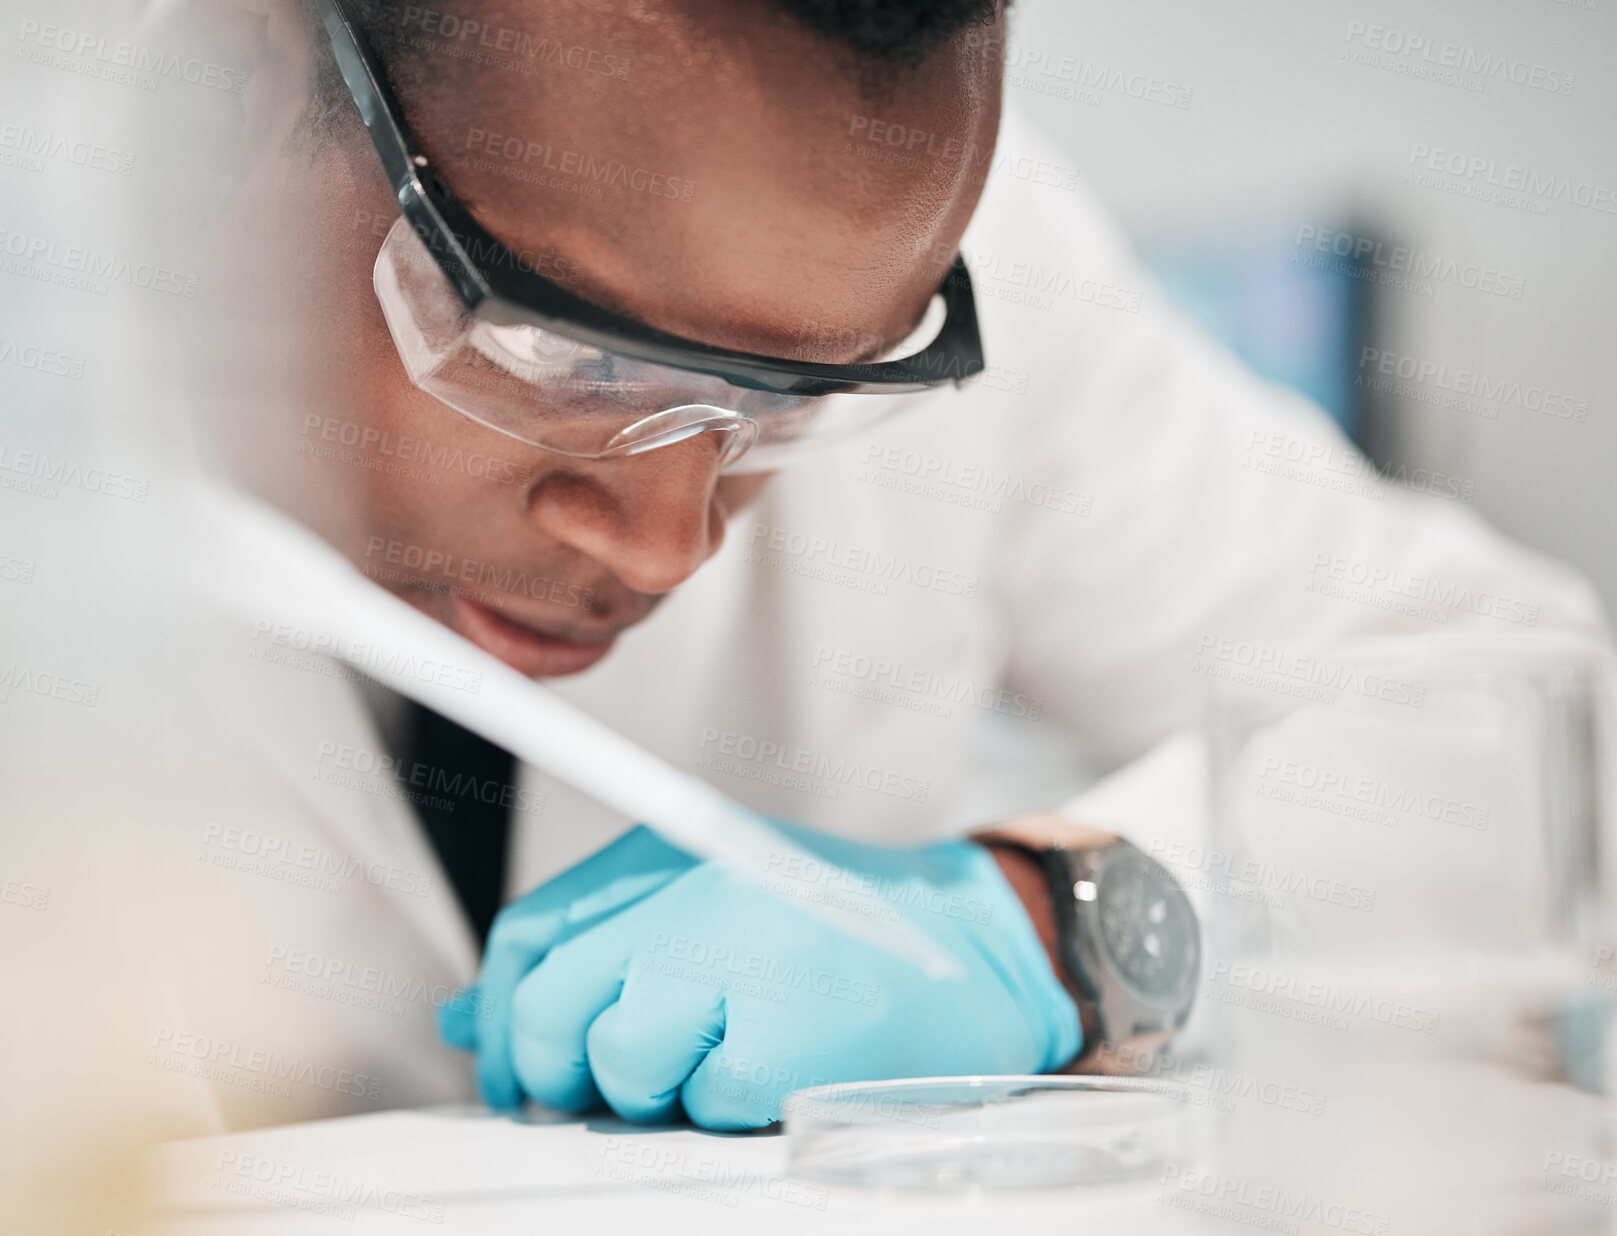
<point x="1148" y="928"/>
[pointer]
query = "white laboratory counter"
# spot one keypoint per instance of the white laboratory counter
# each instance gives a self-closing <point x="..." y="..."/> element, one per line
<point x="465" y="1170"/>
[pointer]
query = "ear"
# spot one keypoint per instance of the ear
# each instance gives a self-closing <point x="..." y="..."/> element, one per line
<point x="271" y="42"/>
<point x="281" y="91"/>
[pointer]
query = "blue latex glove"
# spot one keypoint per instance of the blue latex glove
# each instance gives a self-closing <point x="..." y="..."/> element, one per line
<point x="647" y="980"/>
<point x="631" y="868"/>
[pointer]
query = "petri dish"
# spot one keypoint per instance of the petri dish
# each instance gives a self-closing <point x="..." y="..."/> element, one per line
<point x="943" y="1134"/>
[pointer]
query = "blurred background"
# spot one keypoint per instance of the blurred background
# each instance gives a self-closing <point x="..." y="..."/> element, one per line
<point x="1233" y="140"/>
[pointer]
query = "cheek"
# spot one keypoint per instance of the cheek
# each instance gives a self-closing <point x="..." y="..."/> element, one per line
<point x="437" y="468"/>
<point x="416" y="471"/>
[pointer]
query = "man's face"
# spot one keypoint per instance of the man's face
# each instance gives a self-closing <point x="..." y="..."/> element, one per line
<point x="755" y="211"/>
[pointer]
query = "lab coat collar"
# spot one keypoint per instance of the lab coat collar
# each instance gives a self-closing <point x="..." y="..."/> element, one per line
<point x="296" y="713"/>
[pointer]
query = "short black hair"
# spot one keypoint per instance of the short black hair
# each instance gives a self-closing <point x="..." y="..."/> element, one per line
<point x="880" y="32"/>
<point x="891" y="31"/>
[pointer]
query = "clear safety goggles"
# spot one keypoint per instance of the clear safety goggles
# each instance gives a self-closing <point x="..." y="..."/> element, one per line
<point x="482" y="330"/>
<point x="577" y="399"/>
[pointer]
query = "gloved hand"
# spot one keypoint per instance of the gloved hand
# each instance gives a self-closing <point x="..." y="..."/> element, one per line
<point x="632" y="867"/>
<point x="649" y="980"/>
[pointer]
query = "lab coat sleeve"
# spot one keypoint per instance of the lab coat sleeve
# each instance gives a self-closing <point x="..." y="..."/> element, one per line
<point x="1224" y="522"/>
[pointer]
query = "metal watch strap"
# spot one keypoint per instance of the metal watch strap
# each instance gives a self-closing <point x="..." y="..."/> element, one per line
<point x="1060" y="874"/>
<point x="1053" y="862"/>
<point x="1113" y="1012"/>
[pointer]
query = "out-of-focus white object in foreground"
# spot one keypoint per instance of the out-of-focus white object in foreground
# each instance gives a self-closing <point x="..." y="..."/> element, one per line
<point x="260" y="566"/>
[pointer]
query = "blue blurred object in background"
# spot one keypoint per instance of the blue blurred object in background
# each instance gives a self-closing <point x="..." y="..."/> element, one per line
<point x="1295" y="324"/>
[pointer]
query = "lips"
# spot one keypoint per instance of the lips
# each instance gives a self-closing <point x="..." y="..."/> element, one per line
<point x="526" y="649"/>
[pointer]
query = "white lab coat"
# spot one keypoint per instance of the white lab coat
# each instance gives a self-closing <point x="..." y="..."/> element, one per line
<point x="1081" y="538"/>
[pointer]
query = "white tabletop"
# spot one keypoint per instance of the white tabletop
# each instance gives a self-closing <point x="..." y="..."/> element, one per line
<point x="467" y="1170"/>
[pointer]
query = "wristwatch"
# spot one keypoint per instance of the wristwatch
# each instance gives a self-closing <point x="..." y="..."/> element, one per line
<point x="1127" y="938"/>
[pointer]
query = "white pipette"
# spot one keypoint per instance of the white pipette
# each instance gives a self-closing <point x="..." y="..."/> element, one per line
<point x="261" y="566"/>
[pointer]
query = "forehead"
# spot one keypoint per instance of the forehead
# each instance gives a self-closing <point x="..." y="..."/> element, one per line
<point x="710" y="172"/>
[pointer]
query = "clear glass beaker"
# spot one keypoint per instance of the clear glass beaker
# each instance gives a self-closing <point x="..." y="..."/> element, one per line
<point x="1403" y="934"/>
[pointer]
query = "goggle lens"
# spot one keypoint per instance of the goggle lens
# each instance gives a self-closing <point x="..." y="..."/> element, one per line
<point x="554" y="392"/>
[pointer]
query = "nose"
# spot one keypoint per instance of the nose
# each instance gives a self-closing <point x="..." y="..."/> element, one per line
<point x="651" y="518"/>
